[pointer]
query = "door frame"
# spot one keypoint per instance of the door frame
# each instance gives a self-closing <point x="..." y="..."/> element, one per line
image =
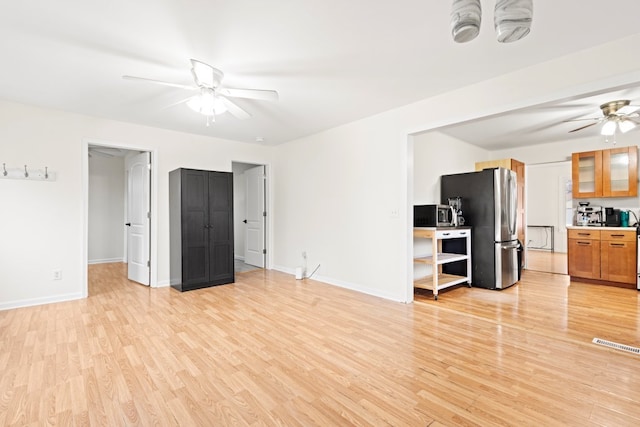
<point x="153" y="247"/>
<point x="268" y="223"/>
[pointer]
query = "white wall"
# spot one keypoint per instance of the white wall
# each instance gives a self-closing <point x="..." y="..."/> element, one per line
<point x="436" y="154"/>
<point x="43" y="222"/>
<point x="106" y="209"/>
<point x="344" y="195"/>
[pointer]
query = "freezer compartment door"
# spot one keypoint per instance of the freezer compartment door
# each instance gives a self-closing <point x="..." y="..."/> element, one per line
<point x="506" y="264"/>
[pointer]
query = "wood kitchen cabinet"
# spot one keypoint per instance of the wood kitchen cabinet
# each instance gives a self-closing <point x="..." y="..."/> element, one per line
<point x="618" y="256"/>
<point x="605" y="173"/>
<point x="518" y="168"/>
<point x="620" y="172"/>
<point x="606" y="256"/>
<point x="583" y="251"/>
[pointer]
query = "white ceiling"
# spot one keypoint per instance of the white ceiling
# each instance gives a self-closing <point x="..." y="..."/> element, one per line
<point x="544" y="123"/>
<point x="331" y="61"/>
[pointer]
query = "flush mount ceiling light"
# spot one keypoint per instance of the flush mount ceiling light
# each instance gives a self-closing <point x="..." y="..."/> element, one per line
<point x="615" y="115"/>
<point x="512" y="19"/>
<point x="213" y="98"/>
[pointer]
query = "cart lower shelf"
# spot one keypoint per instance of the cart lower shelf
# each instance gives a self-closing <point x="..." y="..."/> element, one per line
<point x="444" y="281"/>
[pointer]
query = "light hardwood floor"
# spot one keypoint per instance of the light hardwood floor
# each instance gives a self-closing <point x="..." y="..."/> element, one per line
<point x="270" y="350"/>
<point x="551" y="262"/>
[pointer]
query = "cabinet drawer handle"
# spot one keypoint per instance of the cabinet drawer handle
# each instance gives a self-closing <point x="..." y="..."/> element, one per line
<point x="445" y="234"/>
<point x="584" y="234"/>
<point x="617" y="235"/>
<point x="584" y="243"/>
<point x="620" y="245"/>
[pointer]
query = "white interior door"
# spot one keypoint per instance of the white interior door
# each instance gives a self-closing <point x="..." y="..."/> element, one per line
<point x="254" y="236"/>
<point x="138" y="212"/>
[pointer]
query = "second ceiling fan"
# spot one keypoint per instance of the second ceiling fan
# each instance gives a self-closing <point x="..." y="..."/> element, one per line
<point x="615" y="115"/>
<point x="213" y="98"/>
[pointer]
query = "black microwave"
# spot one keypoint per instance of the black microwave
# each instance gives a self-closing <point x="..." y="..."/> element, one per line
<point x="434" y="216"/>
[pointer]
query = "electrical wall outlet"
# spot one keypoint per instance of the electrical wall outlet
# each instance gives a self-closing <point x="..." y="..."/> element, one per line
<point x="304" y="254"/>
<point x="57" y="274"/>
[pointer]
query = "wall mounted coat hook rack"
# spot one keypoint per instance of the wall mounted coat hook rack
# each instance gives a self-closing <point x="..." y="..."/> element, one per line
<point x="26" y="174"/>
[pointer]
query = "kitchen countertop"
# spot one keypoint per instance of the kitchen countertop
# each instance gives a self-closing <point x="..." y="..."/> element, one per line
<point x="582" y="227"/>
<point x="461" y="227"/>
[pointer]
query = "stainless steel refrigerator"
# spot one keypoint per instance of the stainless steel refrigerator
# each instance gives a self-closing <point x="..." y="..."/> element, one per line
<point x="489" y="206"/>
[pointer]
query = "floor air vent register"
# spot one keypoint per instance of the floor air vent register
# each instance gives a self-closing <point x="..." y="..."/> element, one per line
<point x="616" y="346"/>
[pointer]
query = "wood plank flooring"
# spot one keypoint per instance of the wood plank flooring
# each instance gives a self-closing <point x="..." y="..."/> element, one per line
<point x="551" y="262"/>
<point x="270" y="350"/>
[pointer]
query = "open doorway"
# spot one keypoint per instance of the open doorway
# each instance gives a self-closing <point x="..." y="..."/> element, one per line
<point x="250" y="216"/>
<point x="119" y="210"/>
<point x="549" y="211"/>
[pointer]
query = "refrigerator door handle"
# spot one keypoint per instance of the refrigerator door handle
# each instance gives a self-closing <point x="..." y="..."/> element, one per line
<point x="513" y="205"/>
<point x="511" y="246"/>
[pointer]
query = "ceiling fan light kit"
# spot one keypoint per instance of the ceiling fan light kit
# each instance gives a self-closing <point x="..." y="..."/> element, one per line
<point x="207" y="103"/>
<point x="626" y="125"/>
<point x="512" y="19"/>
<point x="609" y="128"/>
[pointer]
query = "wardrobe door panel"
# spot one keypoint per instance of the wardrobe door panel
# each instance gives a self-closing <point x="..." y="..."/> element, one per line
<point x="195" y="245"/>
<point x="221" y="220"/>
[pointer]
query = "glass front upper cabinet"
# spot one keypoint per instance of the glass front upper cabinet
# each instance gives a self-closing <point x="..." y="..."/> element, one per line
<point x="605" y="173"/>
<point x="587" y="174"/>
<point x="620" y="172"/>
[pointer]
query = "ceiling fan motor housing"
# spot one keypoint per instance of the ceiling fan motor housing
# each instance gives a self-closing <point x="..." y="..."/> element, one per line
<point x="610" y="108"/>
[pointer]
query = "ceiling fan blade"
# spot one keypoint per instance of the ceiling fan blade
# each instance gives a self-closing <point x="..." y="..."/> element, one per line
<point x="628" y="109"/>
<point x="182" y="101"/>
<point x="159" y="82"/>
<point x="205" y="75"/>
<point x="584" y="127"/>
<point x="233" y="108"/>
<point x="580" y="120"/>
<point x="266" y="95"/>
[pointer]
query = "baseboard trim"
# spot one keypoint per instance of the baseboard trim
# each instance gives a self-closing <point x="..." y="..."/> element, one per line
<point x="40" y="301"/>
<point x="162" y="284"/>
<point x="343" y="284"/>
<point x="105" y="260"/>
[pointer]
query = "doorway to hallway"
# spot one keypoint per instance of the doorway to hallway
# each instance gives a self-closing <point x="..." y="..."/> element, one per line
<point x="119" y="209"/>
<point x="250" y="216"/>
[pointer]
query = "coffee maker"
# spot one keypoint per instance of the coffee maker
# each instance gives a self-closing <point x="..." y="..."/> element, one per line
<point x="590" y="216"/>
<point x="456" y="204"/>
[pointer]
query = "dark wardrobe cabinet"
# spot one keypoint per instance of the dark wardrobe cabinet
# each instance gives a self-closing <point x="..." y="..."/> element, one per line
<point x="201" y="228"/>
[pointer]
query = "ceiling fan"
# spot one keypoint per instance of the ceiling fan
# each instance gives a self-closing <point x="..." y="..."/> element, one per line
<point x="213" y="98"/>
<point x="616" y="115"/>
